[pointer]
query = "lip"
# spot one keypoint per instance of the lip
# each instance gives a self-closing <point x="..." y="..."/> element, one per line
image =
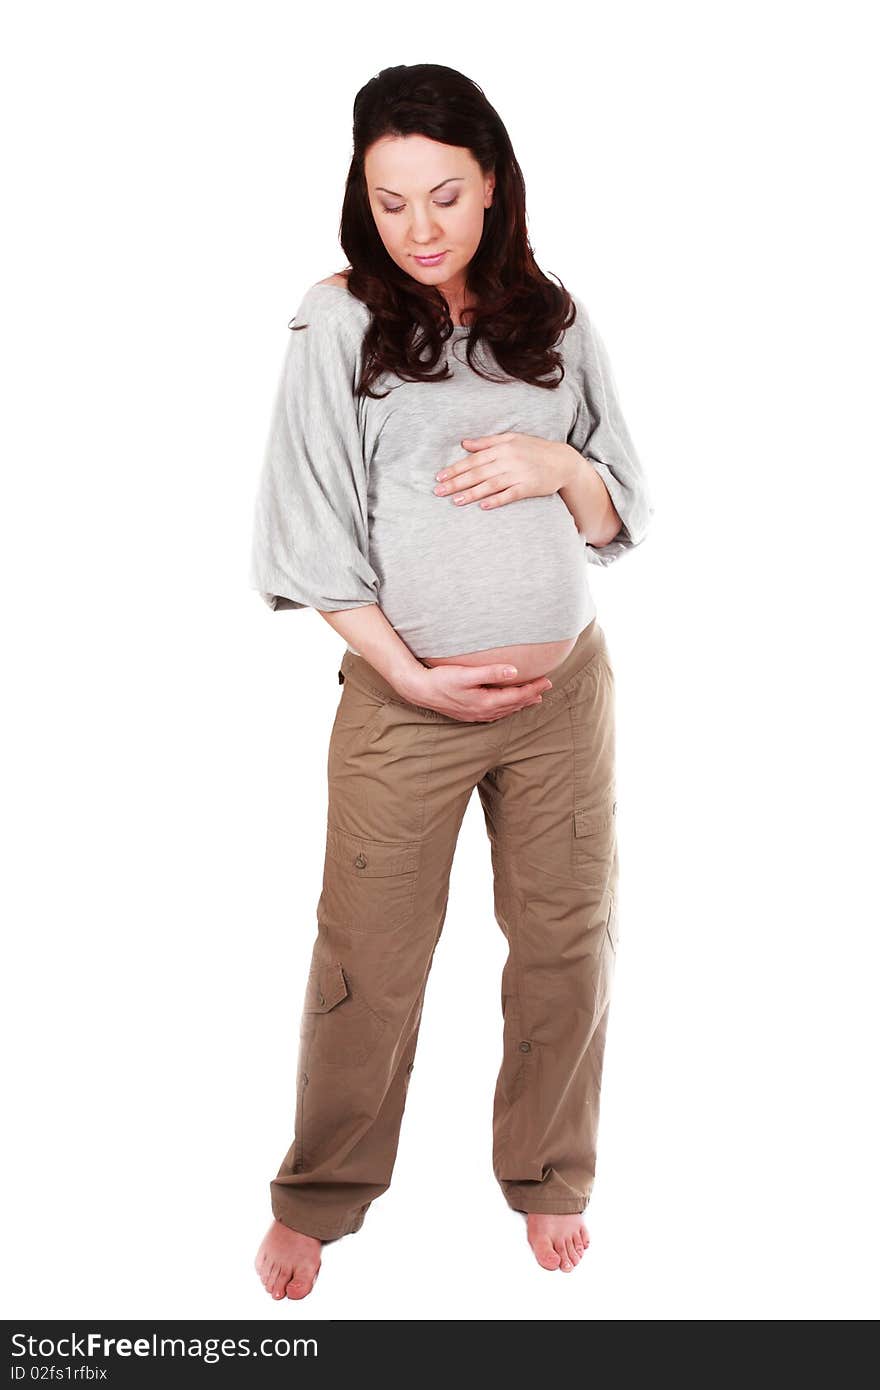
<point x="430" y="260"/>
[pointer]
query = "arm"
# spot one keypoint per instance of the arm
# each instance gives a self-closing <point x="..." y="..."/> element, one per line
<point x="609" y="496"/>
<point x="369" y="632"/>
<point x="309" y="544"/>
<point x="589" y="501"/>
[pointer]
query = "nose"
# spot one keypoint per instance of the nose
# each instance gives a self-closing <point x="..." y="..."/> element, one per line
<point x="425" y="232"/>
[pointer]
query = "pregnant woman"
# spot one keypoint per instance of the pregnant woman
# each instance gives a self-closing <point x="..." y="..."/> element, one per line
<point x="447" y="455"/>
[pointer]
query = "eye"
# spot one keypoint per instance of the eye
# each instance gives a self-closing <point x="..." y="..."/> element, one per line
<point x="440" y="205"/>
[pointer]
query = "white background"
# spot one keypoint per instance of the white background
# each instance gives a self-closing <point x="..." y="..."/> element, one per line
<point x="704" y="177"/>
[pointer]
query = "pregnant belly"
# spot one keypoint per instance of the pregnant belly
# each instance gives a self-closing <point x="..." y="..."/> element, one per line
<point x="474" y="588"/>
<point x="531" y="659"/>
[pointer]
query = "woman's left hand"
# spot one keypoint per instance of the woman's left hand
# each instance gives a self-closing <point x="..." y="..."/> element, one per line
<point x="502" y="468"/>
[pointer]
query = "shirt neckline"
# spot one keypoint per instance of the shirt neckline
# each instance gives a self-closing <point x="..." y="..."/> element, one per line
<point x="457" y="328"/>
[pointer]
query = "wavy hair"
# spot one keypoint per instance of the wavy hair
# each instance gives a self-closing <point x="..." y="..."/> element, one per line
<point x="521" y="313"/>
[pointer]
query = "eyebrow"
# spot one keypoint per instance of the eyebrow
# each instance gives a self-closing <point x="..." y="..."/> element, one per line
<point x="431" y="190"/>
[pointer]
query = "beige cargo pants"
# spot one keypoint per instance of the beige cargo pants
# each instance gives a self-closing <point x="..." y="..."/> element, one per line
<point x="400" y="778"/>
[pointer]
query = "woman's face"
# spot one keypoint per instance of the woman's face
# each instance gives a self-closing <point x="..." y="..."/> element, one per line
<point x="426" y="198"/>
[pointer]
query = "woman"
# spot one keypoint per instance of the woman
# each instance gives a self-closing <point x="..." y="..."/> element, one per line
<point x="447" y="453"/>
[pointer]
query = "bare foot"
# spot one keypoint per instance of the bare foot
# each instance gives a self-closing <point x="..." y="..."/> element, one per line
<point x="288" y="1261"/>
<point x="557" y="1241"/>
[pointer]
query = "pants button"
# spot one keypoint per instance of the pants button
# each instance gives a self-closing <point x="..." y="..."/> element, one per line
<point x="525" y="1047"/>
<point x="361" y="862"/>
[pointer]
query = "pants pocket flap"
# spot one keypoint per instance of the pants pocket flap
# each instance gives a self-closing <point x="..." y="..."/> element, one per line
<point x="590" y="822"/>
<point x="328" y="988"/>
<point x="371" y="858"/>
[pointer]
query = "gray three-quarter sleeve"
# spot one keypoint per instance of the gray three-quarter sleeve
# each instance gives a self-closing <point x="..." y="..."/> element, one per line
<point x="601" y="434"/>
<point x="310" y="543"/>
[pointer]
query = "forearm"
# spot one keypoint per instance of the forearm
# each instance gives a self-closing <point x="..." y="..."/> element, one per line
<point x="368" y="630"/>
<point x="588" y="500"/>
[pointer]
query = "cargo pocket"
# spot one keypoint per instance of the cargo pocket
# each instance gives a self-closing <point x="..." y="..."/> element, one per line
<point x="339" y="1027"/>
<point x="369" y="885"/>
<point x="594" y="843"/>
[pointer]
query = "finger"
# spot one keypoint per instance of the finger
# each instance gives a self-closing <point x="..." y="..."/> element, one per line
<point x="529" y="689"/>
<point x="456" y="481"/>
<point x="487" y="488"/>
<point x="466" y="473"/>
<point x="501" y="674"/>
<point x="485" y="440"/>
<point x="507" y="700"/>
<point x="504" y="674"/>
<point x="455" y="470"/>
<point x="513" y="709"/>
<point x="502" y="498"/>
<point x="484" y="454"/>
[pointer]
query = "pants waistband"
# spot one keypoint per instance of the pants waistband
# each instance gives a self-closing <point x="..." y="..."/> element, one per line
<point x="590" y="641"/>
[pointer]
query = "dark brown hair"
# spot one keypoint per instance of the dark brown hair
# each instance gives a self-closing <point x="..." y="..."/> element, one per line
<point x="521" y="313"/>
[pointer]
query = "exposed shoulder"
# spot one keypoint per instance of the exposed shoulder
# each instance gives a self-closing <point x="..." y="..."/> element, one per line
<point x="345" y="305"/>
<point x="336" y="307"/>
<point x="330" y="303"/>
<point x="338" y="320"/>
<point x="340" y="279"/>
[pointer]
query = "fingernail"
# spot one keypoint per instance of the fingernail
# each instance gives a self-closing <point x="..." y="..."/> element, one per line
<point x="510" y="670"/>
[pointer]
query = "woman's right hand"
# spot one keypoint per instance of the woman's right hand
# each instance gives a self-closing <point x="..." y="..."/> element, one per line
<point x="473" y="693"/>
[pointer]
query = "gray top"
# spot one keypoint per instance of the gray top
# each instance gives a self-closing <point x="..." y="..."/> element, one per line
<point x="346" y="513"/>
